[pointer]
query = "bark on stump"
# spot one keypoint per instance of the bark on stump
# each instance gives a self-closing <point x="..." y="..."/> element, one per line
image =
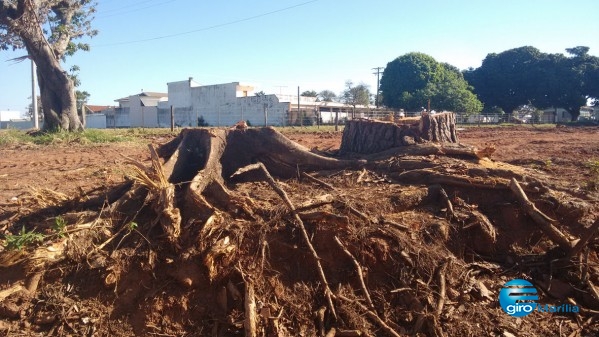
<point x="200" y="162"/>
<point x="367" y="136"/>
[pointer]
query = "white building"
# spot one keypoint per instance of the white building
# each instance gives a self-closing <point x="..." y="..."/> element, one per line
<point x="228" y="103"/>
<point x="139" y="110"/>
<point x="7" y="115"/>
<point x="220" y="105"/>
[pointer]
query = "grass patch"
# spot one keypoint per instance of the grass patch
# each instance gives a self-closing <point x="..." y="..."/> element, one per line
<point x="309" y="129"/>
<point x="91" y="136"/>
<point x="12" y="136"/>
<point x="102" y="136"/>
<point x="505" y="125"/>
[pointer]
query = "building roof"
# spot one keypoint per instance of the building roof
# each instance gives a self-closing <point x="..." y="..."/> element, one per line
<point x="154" y="94"/>
<point x="150" y="94"/>
<point x="97" y="108"/>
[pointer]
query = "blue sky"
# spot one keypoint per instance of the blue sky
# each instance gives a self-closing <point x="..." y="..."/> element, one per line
<point x="280" y="45"/>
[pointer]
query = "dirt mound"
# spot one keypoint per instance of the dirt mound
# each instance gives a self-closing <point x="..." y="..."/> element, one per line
<point x="233" y="232"/>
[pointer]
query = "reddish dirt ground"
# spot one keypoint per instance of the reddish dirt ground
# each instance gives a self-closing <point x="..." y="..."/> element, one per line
<point x="563" y="153"/>
<point x="71" y="168"/>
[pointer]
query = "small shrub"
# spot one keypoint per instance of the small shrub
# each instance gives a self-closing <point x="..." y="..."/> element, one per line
<point x="23" y="239"/>
<point x="593" y="182"/>
<point x="60" y="226"/>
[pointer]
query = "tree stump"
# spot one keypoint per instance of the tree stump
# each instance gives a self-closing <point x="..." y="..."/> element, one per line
<point x="368" y="136"/>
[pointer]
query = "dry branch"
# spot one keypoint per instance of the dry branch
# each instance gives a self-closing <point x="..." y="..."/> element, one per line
<point x="396" y="225"/>
<point x="429" y="177"/>
<point x="319" y="315"/>
<point x="588" y="235"/>
<point x="331" y="333"/>
<point x="441" y="275"/>
<point x="330" y="218"/>
<point x="544" y="222"/>
<point x="372" y="315"/>
<point x="250" y="310"/>
<point x="318" y="181"/>
<point x="353" y="210"/>
<point x="446" y="202"/>
<point x="359" y="270"/>
<point x="327" y="290"/>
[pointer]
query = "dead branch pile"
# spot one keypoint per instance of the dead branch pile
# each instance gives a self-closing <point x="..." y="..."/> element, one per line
<point x="264" y="238"/>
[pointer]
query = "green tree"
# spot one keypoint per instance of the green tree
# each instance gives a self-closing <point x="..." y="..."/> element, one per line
<point x="46" y="29"/>
<point x="411" y="80"/>
<point x="327" y="96"/>
<point x="30" y="111"/>
<point x="517" y="76"/>
<point x="309" y="93"/>
<point x="355" y="95"/>
<point x="82" y="98"/>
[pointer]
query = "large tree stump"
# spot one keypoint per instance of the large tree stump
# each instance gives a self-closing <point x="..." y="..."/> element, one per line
<point x="200" y="162"/>
<point x="367" y="136"/>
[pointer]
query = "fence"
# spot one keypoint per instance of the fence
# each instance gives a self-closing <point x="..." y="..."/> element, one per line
<point x="486" y="119"/>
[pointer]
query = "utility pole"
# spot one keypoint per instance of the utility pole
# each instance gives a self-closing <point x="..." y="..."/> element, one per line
<point x="265" y="105"/>
<point x="378" y="81"/>
<point x="36" y="124"/>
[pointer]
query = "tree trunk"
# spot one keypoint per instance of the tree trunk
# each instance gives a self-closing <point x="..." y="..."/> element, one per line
<point x="58" y="98"/>
<point x="56" y="88"/>
<point x="367" y="136"/>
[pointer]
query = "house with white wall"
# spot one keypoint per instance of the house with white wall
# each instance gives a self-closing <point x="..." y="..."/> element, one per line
<point x="228" y="103"/>
<point x="141" y="110"/>
<point x="219" y="105"/>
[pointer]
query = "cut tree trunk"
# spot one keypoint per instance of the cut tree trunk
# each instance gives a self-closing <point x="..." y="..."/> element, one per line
<point x="367" y="136"/>
<point x="202" y="161"/>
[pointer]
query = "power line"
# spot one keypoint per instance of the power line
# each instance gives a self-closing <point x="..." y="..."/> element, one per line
<point x="207" y="28"/>
<point x="124" y="7"/>
<point x="101" y="16"/>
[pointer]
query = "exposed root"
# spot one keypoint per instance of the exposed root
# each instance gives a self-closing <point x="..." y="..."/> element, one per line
<point x="327" y="291"/>
<point x="241" y="261"/>
<point x="542" y="220"/>
<point x="372" y="315"/>
<point x="359" y="271"/>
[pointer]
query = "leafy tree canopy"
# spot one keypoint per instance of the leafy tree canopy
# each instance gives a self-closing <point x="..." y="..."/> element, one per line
<point x="355" y="95"/>
<point x="521" y="75"/>
<point x="309" y="93"/>
<point x="411" y="80"/>
<point x="327" y="95"/>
